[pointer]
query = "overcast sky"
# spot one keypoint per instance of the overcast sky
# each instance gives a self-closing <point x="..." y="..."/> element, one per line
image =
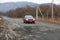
<point x="35" y="1"/>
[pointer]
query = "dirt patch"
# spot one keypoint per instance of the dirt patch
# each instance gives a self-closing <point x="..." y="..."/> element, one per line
<point x="34" y="33"/>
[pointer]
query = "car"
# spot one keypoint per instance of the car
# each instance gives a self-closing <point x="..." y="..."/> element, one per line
<point x="29" y="19"/>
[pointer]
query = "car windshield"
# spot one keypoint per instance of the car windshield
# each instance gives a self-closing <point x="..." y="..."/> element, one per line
<point x="28" y="16"/>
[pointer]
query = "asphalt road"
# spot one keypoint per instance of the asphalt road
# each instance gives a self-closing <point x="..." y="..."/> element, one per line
<point x="38" y="31"/>
<point x="19" y="22"/>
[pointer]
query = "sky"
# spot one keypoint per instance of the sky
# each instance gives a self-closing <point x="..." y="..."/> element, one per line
<point x="35" y="1"/>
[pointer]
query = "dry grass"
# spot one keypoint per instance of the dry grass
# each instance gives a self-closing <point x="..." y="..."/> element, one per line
<point x="55" y="20"/>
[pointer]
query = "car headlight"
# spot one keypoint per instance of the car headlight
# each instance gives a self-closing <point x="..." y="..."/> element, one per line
<point x="33" y="19"/>
<point x="26" y="19"/>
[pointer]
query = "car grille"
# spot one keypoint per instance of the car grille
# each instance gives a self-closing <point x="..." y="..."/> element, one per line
<point x="30" y="19"/>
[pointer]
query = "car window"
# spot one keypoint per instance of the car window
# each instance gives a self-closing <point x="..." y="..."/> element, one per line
<point x="28" y="16"/>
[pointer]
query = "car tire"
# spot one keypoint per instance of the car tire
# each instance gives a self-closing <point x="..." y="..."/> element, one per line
<point x="24" y="22"/>
<point x="33" y="22"/>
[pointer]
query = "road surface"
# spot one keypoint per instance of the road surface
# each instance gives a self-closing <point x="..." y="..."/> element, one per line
<point x="19" y="22"/>
<point x="38" y="31"/>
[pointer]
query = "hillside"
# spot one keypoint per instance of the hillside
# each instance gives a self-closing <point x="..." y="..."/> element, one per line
<point x="45" y="9"/>
<point x="13" y="5"/>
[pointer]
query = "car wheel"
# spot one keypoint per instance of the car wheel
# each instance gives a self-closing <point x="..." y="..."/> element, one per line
<point x="24" y="22"/>
<point x="33" y="22"/>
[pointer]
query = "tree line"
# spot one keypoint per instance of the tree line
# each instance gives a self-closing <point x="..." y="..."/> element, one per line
<point x="45" y="9"/>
